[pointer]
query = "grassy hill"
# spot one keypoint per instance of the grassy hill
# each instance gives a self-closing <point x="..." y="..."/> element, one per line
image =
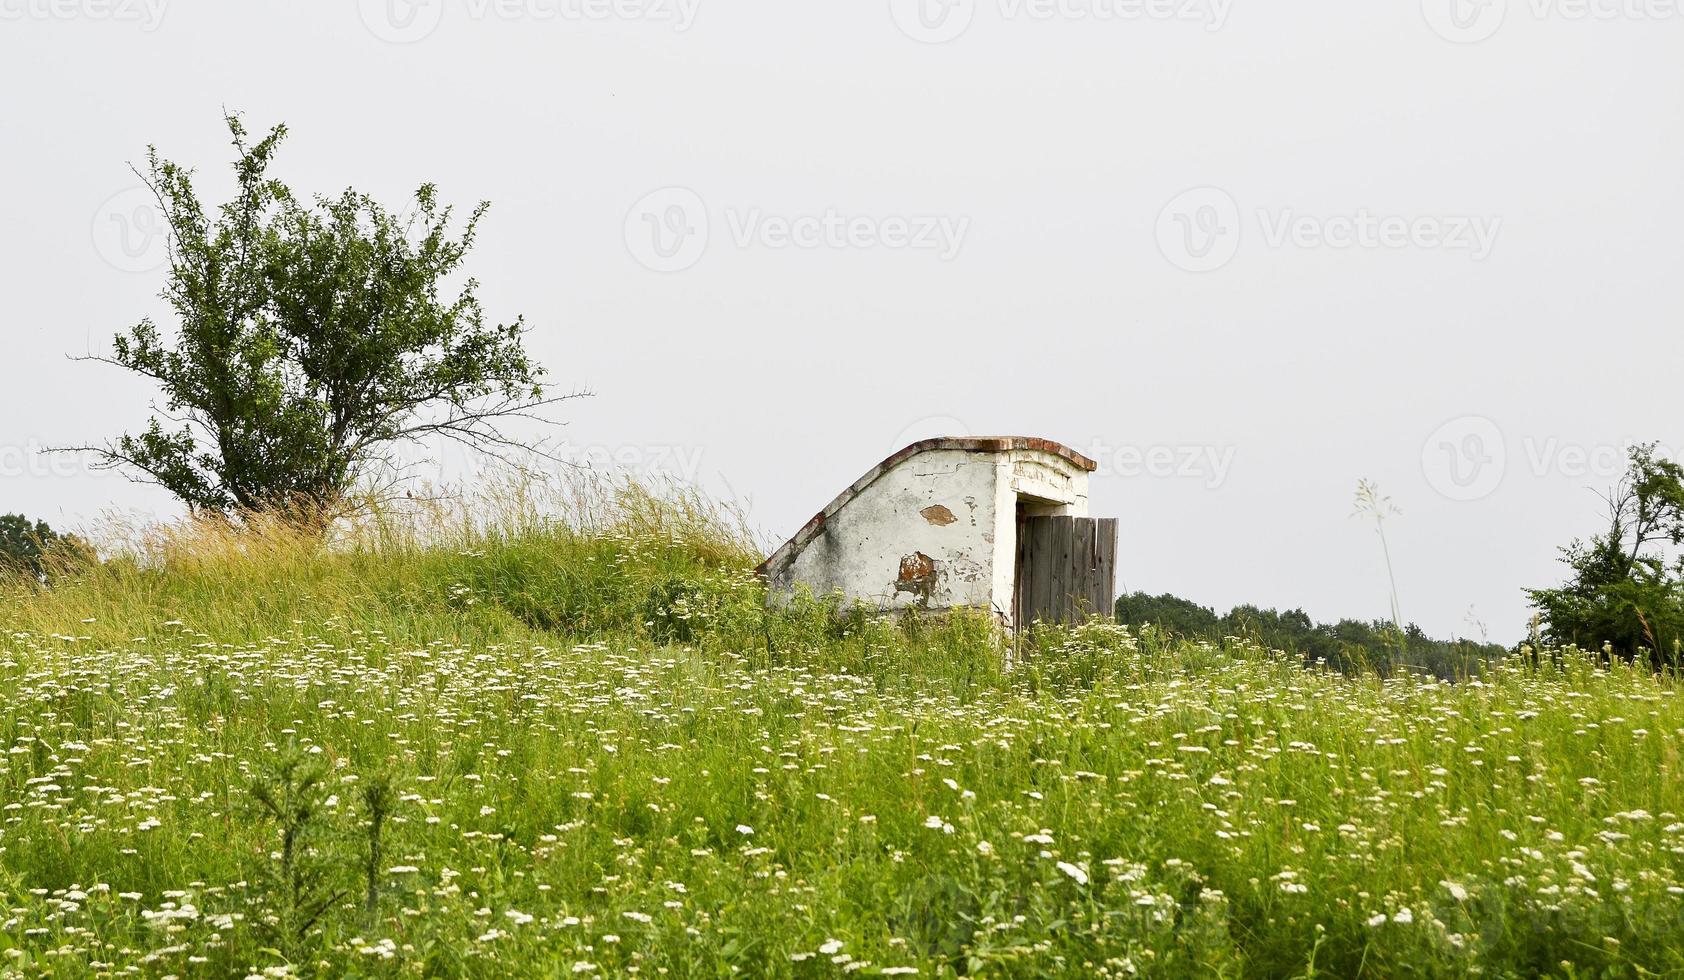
<point x="481" y="741"/>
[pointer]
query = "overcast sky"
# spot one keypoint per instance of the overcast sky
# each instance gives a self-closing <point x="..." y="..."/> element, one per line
<point x="1241" y="254"/>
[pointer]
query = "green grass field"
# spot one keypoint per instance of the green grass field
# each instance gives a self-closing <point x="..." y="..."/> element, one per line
<point x="527" y="747"/>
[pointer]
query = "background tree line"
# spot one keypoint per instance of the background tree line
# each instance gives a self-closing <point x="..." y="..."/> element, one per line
<point x="1347" y="645"/>
<point x="1624" y="597"/>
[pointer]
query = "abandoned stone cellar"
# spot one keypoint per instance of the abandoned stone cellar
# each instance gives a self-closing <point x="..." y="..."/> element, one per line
<point x="995" y="523"/>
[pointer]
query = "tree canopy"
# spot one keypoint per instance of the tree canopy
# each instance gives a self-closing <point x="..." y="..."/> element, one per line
<point x="312" y="336"/>
<point x="1626" y="590"/>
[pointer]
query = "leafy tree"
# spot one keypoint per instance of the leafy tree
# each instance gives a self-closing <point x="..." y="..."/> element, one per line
<point x="1623" y="591"/>
<point x="312" y="337"/>
<point x="22" y="543"/>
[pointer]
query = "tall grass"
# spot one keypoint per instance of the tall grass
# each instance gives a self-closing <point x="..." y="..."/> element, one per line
<point x="470" y="566"/>
<point x="557" y="731"/>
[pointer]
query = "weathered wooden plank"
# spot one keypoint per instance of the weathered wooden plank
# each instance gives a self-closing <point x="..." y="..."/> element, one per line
<point x="1105" y="580"/>
<point x="1045" y="577"/>
<point x="1064" y="563"/>
<point x="1041" y="565"/>
<point x="1090" y="569"/>
<point x="1085" y="534"/>
<point x="1096" y="572"/>
<point x="1052" y="571"/>
<point x="1086" y="563"/>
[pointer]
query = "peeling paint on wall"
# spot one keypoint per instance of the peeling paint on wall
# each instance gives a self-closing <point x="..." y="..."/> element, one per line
<point x="918" y="576"/>
<point x="938" y="515"/>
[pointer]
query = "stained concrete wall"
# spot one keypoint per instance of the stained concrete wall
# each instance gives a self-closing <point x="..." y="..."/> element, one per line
<point x="934" y="527"/>
<point x="922" y="534"/>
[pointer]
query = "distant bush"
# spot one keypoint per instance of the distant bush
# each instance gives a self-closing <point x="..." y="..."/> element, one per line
<point x="27" y="548"/>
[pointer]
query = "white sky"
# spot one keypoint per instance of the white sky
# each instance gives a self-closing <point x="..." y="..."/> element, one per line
<point x="1505" y="179"/>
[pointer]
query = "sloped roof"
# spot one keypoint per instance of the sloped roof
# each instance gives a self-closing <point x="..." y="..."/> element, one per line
<point x="969" y="444"/>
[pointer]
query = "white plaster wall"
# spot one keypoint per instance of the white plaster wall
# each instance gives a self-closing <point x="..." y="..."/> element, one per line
<point x="936" y="531"/>
<point x="1051" y="478"/>
<point x="861" y="550"/>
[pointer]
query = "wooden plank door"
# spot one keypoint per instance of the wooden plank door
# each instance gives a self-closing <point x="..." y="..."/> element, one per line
<point x="1066" y="569"/>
